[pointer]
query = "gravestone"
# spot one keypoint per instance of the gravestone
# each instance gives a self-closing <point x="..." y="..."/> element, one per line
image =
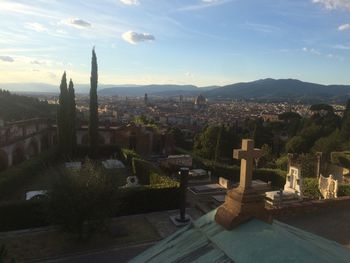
<point x="73" y="165"/>
<point x="244" y="202"/>
<point x="132" y="181"/>
<point x="224" y="182"/>
<point x="328" y="187"/>
<point x="293" y="188"/>
<point x="113" y="164"/>
<point x="294" y="181"/>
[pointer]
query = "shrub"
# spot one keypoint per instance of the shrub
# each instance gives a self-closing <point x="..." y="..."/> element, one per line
<point x="24" y="214"/>
<point x="103" y="151"/>
<point x="18" y="176"/>
<point x="82" y="200"/>
<point x="343" y="190"/>
<point x="162" y="181"/>
<point x="310" y="188"/>
<point x="147" y="199"/>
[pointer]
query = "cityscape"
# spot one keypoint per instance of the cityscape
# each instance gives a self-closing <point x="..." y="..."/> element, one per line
<point x="180" y="131"/>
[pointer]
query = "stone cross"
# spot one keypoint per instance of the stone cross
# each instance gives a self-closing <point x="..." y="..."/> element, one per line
<point x="247" y="155"/>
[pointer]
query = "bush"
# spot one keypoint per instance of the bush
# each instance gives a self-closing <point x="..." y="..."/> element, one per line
<point x="147" y="199"/>
<point x="343" y="190"/>
<point x="162" y="181"/>
<point x="18" y="176"/>
<point x="310" y="188"/>
<point x="277" y="177"/>
<point x="82" y="200"/>
<point x="103" y="151"/>
<point x="24" y="214"/>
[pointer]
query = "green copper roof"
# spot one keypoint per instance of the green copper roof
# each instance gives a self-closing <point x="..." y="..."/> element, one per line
<point x="254" y="241"/>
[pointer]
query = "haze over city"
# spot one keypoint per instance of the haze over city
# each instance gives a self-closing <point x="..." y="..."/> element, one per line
<point x="200" y="42"/>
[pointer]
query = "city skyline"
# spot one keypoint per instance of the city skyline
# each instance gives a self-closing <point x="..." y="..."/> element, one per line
<point x="200" y="42"/>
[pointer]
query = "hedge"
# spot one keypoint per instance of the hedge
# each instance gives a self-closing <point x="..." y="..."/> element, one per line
<point x="310" y="188"/>
<point x="30" y="214"/>
<point x="20" y="175"/>
<point x="343" y="190"/>
<point x="148" y="199"/>
<point x="277" y="177"/>
<point x="103" y="151"/>
<point x="23" y="214"/>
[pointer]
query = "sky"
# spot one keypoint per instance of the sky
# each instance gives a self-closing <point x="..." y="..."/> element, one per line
<point x="199" y="42"/>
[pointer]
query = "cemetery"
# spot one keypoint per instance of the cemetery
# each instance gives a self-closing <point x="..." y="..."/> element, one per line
<point x="144" y="187"/>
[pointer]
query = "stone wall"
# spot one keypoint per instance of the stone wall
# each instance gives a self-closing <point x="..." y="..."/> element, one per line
<point x="310" y="207"/>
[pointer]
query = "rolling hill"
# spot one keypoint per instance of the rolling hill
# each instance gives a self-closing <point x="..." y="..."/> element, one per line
<point x="281" y="89"/>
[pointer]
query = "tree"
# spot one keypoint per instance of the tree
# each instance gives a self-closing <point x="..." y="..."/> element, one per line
<point x="62" y="118"/>
<point x="82" y="200"/>
<point x="93" y="122"/>
<point x="345" y="125"/>
<point x="72" y="118"/>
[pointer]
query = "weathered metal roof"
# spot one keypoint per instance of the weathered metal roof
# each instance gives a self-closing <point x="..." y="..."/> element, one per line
<point x="253" y="241"/>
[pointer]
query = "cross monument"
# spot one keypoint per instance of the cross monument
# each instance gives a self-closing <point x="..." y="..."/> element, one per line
<point x="247" y="154"/>
<point x="244" y="202"/>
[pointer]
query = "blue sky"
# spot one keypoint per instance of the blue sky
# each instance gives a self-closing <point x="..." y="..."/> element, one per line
<point x="200" y="42"/>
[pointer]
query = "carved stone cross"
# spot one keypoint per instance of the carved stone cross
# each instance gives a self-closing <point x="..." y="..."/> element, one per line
<point x="247" y="155"/>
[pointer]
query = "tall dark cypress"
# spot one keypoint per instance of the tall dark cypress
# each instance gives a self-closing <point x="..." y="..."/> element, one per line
<point x="93" y="123"/>
<point x="345" y="125"/>
<point x="72" y="118"/>
<point x="62" y="125"/>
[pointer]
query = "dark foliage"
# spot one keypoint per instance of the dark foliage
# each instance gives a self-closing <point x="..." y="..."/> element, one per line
<point x="17" y="107"/>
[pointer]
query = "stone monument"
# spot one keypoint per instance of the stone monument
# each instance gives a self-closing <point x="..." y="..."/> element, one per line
<point x="328" y="187"/>
<point x="244" y="202"/>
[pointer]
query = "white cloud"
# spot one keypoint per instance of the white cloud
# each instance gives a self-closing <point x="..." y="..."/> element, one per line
<point x="130" y="2"/>
<point x="204" y="4"/>
<point x="134" y="38"/>
<point x="344" y="27"/>
<point x="76" y="22"/>
<point x="7" y="59"/>
<point x="36" y="27"/>
<point x="334" y="4"/>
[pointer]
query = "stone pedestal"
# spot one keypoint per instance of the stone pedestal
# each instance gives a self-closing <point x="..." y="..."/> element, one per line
<point x="240" y="206"/>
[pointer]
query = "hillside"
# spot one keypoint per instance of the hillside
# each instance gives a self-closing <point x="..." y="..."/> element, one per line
<point x="281" y="89"/>
<point x="16" y="107"/>
<point x="149" y="89"/>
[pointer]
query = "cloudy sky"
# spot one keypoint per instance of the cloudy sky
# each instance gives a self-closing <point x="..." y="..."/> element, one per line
<point x="201" y="42"/>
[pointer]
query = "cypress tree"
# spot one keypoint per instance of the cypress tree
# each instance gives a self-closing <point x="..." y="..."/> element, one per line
<point x="62" y="125"/>
<point x="345" y="126"/>
<point x="93" y="122"/>
<point x="72" y="118"/>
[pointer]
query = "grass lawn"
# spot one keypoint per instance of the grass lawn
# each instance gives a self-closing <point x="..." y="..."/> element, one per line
<point x="124" y="231"/>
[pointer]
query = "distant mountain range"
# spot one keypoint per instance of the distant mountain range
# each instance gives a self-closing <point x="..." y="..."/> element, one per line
<point x="263" y="90"/>
<point x="281" y="89"/>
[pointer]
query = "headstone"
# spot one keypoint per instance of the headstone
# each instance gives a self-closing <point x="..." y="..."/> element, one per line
<point x="292" y="192"/>
<point x="73" y="165"/>
<point x="36" y="194"/>
<point x="113" y="164"/>
<point x="244" y="202"/>
<point x="132" y="181"/>
<point x="294" y="181"/>
<point x="224" y="182"/>
<point x="328" y="187"/>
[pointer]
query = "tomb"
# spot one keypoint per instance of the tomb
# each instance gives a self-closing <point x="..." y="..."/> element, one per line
<point x="328" y="187"/>
<point x="113" y="164"/>
<point x="293" y="191"/>
<point x="73" y="165"/>
<point x="31" y="195"/>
